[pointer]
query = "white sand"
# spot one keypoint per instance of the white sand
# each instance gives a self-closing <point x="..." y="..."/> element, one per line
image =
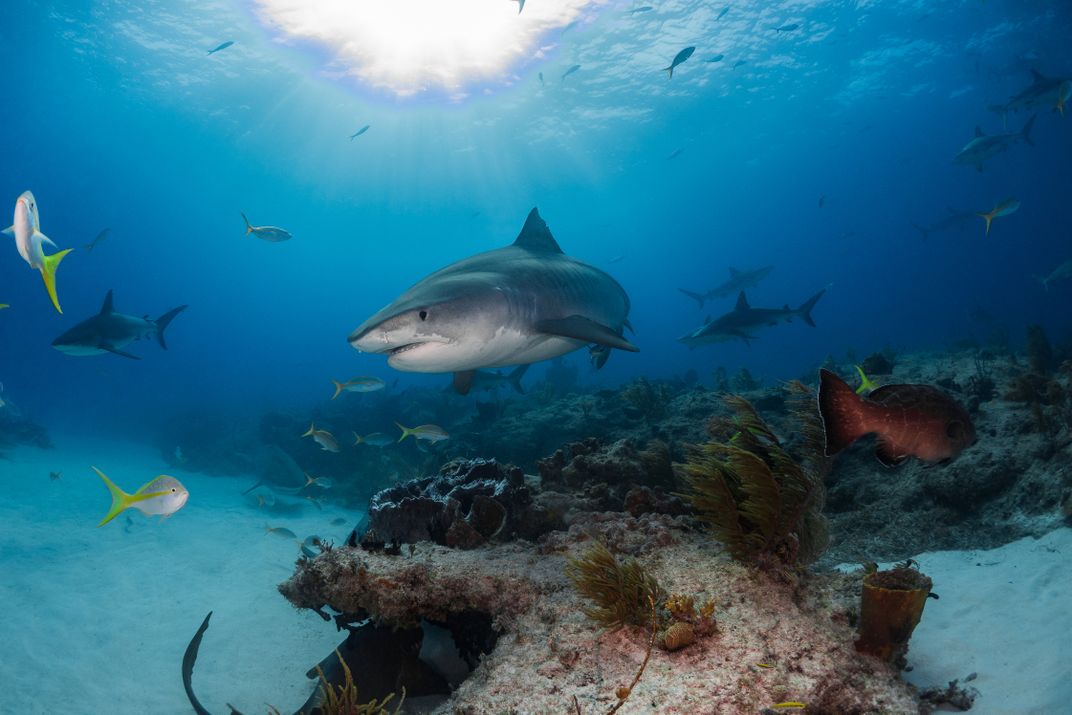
<point x="96" y="620"/>
<point x="1006" y="615"/>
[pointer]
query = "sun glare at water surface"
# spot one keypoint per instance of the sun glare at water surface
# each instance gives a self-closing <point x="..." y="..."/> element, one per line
<point x="410" y="47"/>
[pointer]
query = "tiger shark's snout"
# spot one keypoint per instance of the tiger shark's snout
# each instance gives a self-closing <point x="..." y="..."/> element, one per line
<point x="399" y="337"/>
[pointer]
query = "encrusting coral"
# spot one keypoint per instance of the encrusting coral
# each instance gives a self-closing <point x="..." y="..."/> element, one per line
<point x="760" y="501"/>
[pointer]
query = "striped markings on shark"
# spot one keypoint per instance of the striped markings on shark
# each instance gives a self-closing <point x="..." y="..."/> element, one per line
<point x="515" y="305"/>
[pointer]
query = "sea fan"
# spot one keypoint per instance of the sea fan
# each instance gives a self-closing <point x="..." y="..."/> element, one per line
<point x="620" y="591"/>
<point x="760" y="501"/>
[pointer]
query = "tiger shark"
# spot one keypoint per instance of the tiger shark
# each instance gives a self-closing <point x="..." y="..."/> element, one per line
<point x="109" y="331"/>
<point x="515" y="305"/>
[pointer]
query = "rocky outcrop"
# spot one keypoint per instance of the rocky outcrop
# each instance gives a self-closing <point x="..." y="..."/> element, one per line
<point x="469" y="503"/>
<point x="776" y="641"/>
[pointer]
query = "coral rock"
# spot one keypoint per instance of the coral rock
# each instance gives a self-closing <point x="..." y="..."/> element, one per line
<point x="465" y="505"/>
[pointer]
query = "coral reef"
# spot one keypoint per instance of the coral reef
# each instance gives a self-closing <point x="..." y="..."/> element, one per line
<point x="645" y="399"/>
<point x="776" y="641"/>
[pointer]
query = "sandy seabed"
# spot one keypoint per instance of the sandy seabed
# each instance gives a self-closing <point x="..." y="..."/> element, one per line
<point x="96" y="620"/>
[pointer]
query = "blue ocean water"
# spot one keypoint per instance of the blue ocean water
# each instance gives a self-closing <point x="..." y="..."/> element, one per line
<point x="813" y="148"/>
<point x="118" y="119"/>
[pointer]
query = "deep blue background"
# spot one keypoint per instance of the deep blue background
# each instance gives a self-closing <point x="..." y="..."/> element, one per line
<point x="165" y="146"/>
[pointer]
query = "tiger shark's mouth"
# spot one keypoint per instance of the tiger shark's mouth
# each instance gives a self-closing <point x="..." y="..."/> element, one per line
<point x="405" y="348"/>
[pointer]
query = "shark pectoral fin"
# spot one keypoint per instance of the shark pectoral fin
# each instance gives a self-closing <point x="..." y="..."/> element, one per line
<point x="117" y="351"/>
<point x="48" y="275"/>
<point x="581" y="328"/>
<point x="463" y="381"/>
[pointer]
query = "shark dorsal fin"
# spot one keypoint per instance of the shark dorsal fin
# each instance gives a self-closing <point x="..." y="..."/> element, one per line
<point x="979" y="132"/>
<point x="535" y="236"/>
<point x="734" y="272"/>
<point x="742" y="302"/>
<point x="107" y="307"/>
<point x="1038" y="76"/>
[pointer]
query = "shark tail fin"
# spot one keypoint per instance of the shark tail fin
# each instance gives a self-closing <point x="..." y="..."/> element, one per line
<point x="249" y="227"/>
<point x="804" y="311"/>
<point x="695" y="296"/>
<point x="163" y="321"/>
<point x="515" y="378"/>
<point x="988" y="217"/>
<point x="121" y="501"/>
<point x="1026" y="131"/>
<point x="48" y="275"/>
<point x="338" y="390"/>
<point x="923" y="232"/>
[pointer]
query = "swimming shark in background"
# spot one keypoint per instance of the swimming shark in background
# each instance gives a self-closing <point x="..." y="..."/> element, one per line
<point x="492" y="381"/>
<point x="31" y="243"/>
<point x="1042" y="92"/>
<point x="1062" y="272"/>
<point x="515" y="305"/>
<point x="739" y="281"/>
<point x="987" y="146"/>
<point x="738" y="323"/>
<point x="109" y="331"/>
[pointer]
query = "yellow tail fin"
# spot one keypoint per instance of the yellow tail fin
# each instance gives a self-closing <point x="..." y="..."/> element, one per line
<point x="338" y="388"/>
<point x="866" y="383"/>
<point x="312" y="428"/>
<point x="249" y="228"/>
<point x="121" y="501"/>
<point x="406" y="431"/>
<point x="358" y="439"/>
<point x="988" y="218"/>
<point x="48" y="274"/>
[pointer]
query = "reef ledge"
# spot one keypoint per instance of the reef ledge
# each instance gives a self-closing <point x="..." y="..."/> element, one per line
<point x="778" y="640"/>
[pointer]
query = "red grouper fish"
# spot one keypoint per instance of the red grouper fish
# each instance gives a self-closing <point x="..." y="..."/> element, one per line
<point x="909" y="420"/>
